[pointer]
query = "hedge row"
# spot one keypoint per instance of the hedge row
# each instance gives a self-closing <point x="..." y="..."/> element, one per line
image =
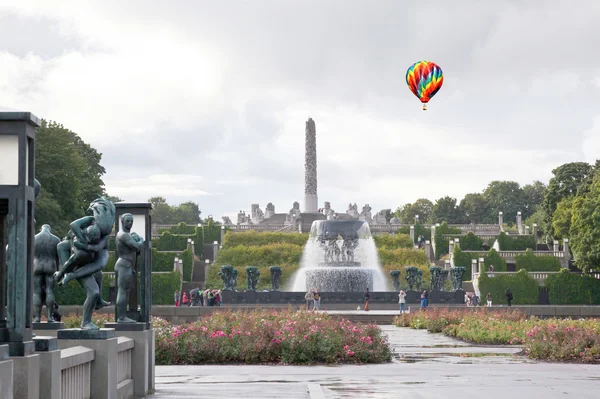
<point x="175" y="238"/>
<point x="515" y="243"/>
<point x="255" y="238"/>
<point x="441" y="243"/>
<point x="181" y="228"/>
<point x="163" y="287"/>
<point x="524" y="288"/>
<point x="419" y="231"/>
<point x="393" y="241"/>
<point x="532" y="263"/>
<point x="566" y="288"/>
<point x="492" y="258"/>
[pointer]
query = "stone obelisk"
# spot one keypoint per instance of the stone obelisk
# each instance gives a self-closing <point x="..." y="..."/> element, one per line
<point x="310" y="168"/>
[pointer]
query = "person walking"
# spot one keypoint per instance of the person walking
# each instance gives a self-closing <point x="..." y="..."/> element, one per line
<point x="367" y="297"/>
<point x="489" y="299"/>
<point x="177" y="298"/>
<point x="424" y="299"/>
<point x="316" y="300"/>
<point x="509" y="296"/>
<point x="309" y="297"/>
<point x="402" y="300"/>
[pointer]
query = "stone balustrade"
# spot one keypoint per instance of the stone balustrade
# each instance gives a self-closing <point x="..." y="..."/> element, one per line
<point x="124" y="357"/>
<point x="510" y="255"/>
<point x="75" y="372"/>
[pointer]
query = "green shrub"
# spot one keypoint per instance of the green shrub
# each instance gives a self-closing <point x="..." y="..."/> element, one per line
<point x="181" y="228"/>
<point x="401" y="257"/>
<point x="441" y="243"/>
<point x="463" y="259"/>
<point x="188" y="264"/>
<point x="566" y="288"/>
<point x="494" y="258"/>
<point x="255" y="238"/>
<point x="532" y="263"/>
<point x="163" y="261"/>
<point x="393" y="241"/>
<point x="164" y="286"/>
<point x="524" y="288"/>
<point x="470" y="242"/>
<point x="420" y="230"/>
<point x="172" y="242"/>
<point x="515" y="242"/>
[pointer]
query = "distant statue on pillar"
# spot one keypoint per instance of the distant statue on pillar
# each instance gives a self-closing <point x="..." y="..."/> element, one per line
<point x="45" y="264"/>
<point x="87" y="269"/>
<point x="128" y="246"/>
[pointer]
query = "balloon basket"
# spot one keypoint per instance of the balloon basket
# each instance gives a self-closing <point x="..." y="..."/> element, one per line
<point x="424" y="107"/>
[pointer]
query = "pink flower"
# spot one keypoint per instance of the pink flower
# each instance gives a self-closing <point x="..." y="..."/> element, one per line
<point x="346" y="347"/>
<point x="306" y="336"/>
<point x="350" y="353"/>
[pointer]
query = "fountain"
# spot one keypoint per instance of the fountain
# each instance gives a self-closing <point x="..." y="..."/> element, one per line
<point x="340" y="256"/>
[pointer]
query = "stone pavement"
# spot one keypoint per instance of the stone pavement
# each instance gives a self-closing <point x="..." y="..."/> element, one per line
<point x="425" y="366"/>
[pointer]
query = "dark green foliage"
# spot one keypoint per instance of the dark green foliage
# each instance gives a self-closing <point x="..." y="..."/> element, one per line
<point x="393" y="241"/>
<point x="494" y="259"/>
<point x="566" y="288"/>
<point x="507" y="197"/>
<point x="188" y="264"/>
<point x="419" y="231"/>
<point x="422" y="207"/>
<point x="163" y="213"/>
<point x="164" y="261"/>
<point x="73" y="294"/>
<point x="532" y="263"/>
<point x="171" y="242"/>
<point x="515" y="243"/>
<point x="441" y="243"/>
<point x="181" y="228"/>
<point x="524" y="288"/>
<point x="585" y="227"/>
<point x="164" y="286"/>
<point x="470" y="242"/>
<point x="463" y="259"/>
<point x="447" y="210"/>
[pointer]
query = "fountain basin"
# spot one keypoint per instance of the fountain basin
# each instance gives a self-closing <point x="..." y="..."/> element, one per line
<point x="339" y="279"/>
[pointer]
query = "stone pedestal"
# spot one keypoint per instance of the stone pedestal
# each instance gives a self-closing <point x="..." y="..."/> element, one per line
<point x="104" y="366"/>
<point x="311" y="203"/>
<point x="26" y="381"/>
<point x="46" y="329"/>
<point x="6" y="374"/>
<point x="142" y="360"/>
<point x="50" y="373"/>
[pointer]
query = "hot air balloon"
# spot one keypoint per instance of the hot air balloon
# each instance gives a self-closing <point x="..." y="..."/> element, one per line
<point x="424" y="79"/>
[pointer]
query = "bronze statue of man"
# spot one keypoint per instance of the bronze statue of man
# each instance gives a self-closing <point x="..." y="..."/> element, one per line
<point x="88" y="275"/>
<point x="45" y="264"/>
<point x="128" y="245"/>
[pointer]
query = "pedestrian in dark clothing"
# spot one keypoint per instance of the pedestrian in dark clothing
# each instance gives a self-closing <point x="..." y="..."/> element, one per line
<point x="509" y="297"/>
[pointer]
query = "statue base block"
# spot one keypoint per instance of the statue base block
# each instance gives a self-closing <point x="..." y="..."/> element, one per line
<point x="45" y="344"/>
<point x="44" y="325"/>
<point x="139" y="326"/>
<point x="3" y="352"/>
<point x="78" y="333"/>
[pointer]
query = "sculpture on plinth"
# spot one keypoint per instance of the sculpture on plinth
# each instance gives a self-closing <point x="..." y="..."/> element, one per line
<point x="252" y="274"/>
<point x="457" y="273"/>
<point x="83" y="260"/>
<point x="380" y="218"/>
<point x="395" y="279"/>
<point x="226" y="221"/>
<point x="436" y="283"/>
<point x="226" y="275"/>
<point x="45" y="264"/>
<point x="443" y="277"/>
<point x="414" y="277"/>
<point x="234" y="275"/>
<point x="128" y="246"/>
<point x="366" y="214"/>
<point x="276" y="272"/>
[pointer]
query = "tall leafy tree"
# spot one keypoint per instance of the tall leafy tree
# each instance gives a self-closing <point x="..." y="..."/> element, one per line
<point x="533" y="195"/>
<point x="161" y="211"/>
<point x="567" y="180"/>
<point x="70" y="173"/>
<point x="187" y="212"/>
<point x="476" y="209"/>
<point x="561" y="219"/>
<point x="506" y="197"/>
<point x="585" y="227"/>
<point x="446" y="210"/>
<point x="422" y="207"/>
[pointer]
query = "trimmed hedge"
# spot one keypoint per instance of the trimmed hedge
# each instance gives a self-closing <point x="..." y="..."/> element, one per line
<point x="494" y="258"/>
<point x="470" y="242"/>
<point x="419" y="231"/>
<point x="180" y="228"/>
<point x="515" y="243"/>
<point x="255" y="238"/>
<point x="532" y="263"/>
<point x="163" y="287"/>
<point x="464" y="259"/>
<point x="524" y="288"/>
<point x="441" y="243"/>
<point x="171" y="242"/>
<point x="566" y="288"/>
<point x="393" y="241"/>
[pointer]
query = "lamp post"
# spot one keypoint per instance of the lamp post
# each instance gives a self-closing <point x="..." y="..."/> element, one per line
<point x="142" y="225"/>
<point x="17" y="197"/>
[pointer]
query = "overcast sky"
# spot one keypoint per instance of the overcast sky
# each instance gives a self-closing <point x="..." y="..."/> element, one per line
<point x="207" y="100"/>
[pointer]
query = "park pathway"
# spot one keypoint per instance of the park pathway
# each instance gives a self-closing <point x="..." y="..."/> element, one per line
<point x="424" y="366"/>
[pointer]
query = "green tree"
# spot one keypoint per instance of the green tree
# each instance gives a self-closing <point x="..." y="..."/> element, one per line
<point x="585" y="227"/>
<point x="506" y="197"/>
<point x="187" y="212"/>
<point x="446" y="210"/>
<point x="533" y="196"/>
<point x="161" y="211"/>
<point x="422" y="207"/>
<point x="567" y="180"/>
<point x="476" y="209"/>
<point x="538" y="218"/>
<point x="561" y="219"/>
<point x="70" y="173"/>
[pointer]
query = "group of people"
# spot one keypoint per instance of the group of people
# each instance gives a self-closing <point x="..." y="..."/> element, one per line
<point x="196" y="297"/>
<point x="471" y="299"/>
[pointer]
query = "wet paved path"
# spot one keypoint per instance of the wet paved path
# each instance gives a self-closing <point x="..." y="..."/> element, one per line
<point x="425" y="366"/>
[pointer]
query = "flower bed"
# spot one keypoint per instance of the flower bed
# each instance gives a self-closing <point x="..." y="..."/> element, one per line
<point x="263" y="336"/>
<point x="545" y="339"/>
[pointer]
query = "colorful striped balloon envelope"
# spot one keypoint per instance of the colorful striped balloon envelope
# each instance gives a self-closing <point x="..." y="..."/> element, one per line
<point x="424" y="79"/>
